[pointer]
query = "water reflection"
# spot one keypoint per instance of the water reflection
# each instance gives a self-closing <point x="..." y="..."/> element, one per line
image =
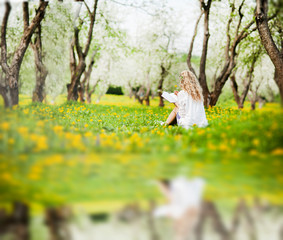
<point x="184" y="204"/>
<point x="186" y="216"/>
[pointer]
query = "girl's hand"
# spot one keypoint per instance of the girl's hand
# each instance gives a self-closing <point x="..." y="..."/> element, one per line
<point x="176" y="92"/>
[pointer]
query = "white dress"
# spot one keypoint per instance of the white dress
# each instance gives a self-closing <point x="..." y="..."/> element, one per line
<point x="184" y="194"/>
<point x="190" y="111"/>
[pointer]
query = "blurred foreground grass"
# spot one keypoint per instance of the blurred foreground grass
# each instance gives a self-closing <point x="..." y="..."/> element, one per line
<point x="114" y="150"/>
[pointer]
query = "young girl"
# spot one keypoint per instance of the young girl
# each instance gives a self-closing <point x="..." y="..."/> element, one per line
<point x="189" y="108"/>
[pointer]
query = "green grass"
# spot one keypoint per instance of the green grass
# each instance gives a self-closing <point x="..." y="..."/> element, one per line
<point x="115" y="150"/>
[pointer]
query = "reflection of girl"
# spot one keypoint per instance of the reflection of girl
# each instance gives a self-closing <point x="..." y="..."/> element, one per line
<point x="184" y="201"/>
<point x="189" y="108"/>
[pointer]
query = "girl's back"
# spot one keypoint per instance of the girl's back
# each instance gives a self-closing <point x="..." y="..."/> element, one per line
<point x="190" y="111"/>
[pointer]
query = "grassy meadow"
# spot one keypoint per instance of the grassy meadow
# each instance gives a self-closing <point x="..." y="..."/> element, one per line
<point x="114" y="150"/>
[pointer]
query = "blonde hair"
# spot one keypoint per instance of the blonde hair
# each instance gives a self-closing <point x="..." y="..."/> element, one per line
<point x="191" y="85"/>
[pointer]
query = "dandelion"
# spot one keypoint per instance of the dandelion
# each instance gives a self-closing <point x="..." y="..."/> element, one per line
<point x="57" y="129"/>
<point x="5" y="126"/>
<point x="23" y="131"/>
<point x="277" y="151"/>
<point x="256" y="142"/>
<point x="11" y="141"/>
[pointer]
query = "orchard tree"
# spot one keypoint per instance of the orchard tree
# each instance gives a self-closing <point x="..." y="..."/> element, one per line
<point x="109" y="49"/>
<point x="157" y="43"/>
<point x="40" y="68"/>
<point x="79" y="53"/>
<point x="57" y="28"/>
<point x="250" y="55"/>
<point x="235" y="33"/>
<point x="9" y="86"/>
<point x="273" y="47"/>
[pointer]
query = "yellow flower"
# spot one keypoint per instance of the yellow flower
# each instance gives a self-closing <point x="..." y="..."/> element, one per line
<point x="26" y="111"/>
<point x="86" y="125"/>
<point x="277" y="151"/>
<point x="11" y="141"/>
<point x="57" y="129"/>
<point x="23" y="131"/>
<point x="253" y="152"/>
<point x="256" y="142"/>
<point x="6" y="176"/>
<point x="88" y="134"/>
<point x="233" y="142"/>
<point x="40" y="123"/>
<point x="5" y="125"/>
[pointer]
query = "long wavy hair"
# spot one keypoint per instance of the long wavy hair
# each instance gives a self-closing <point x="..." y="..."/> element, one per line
<point x="189" y="82"/>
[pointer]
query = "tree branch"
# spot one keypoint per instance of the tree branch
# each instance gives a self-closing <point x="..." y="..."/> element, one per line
<point x="92" y="21"/>
<point x="192" y="44"/>
<point x="243" y="32"/>
<point x="25" y="40"/>
<point x="73" y="61"/>
<point x="202" y="73"/>
<point x="240" y="18"/>
<point x="228" y="31"/>
<point x="77" y="43"/>
<point x="4" y="64"/>
<point x="88" y="9"/>
<point x="25" y="15"/>
<point x="234" y="86"/>
<point x="255" y="28"/>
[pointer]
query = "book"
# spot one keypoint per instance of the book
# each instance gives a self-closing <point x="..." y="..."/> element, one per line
<point x="170" y="97"/>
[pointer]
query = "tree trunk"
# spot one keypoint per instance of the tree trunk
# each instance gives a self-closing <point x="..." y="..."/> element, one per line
<point x="164" y="73"/>
<point x="202" y="74"/>
<point x="78" y="69"/>
<point x="274" y="53"/>
<point x="56" y="220"/>
<point x="9" y="88"/>
<point x="278" y="77"/>
<point x="211" y="98"/>
<point x="73" y="87"/>
<point x="90" y="92"/>
<point x="209" y="210"/>
<point x="41" y="71"/>
<point x="84" y="86"/>
<point x="9" y="93"/>
<point x="20" y="218"/>
<point x="16" y="223"/>
<point x="147" y="100"/>
<point x="234" y="86"/>
<point x="242" y="209"/>
<point x="147" y="96"/>
<point x="253" y="99"/>
<point x="140" y="95"/>
<point x="151" y="222"/>
<point x="148" y="90"/>
<point x="220" y="82"/>
<point x="246" y="85"/>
